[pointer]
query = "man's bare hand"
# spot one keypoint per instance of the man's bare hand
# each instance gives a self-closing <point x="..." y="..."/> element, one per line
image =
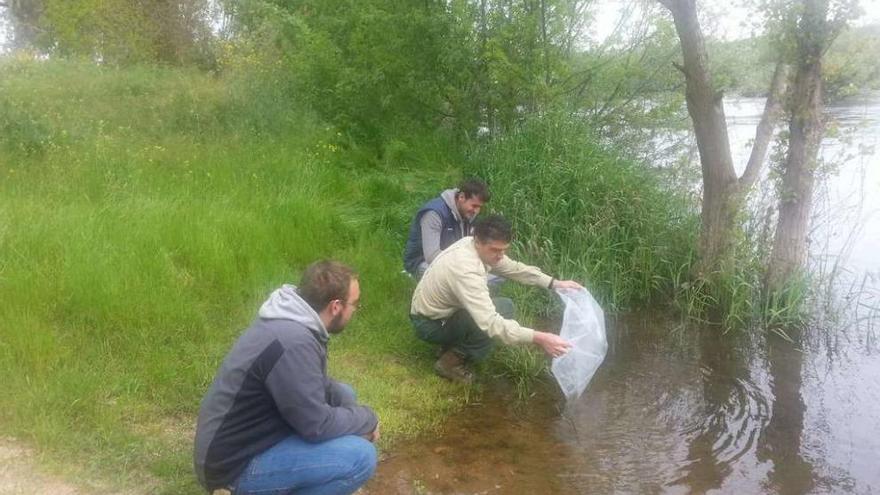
<point x="553" y="344"/>
<point x="566" y="284"/>
<point x="374" y="436"/>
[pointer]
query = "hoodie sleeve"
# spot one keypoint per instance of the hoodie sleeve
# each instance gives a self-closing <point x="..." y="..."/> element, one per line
<point x="431" y="227"/>
<point x="340" y="394"/>
<point x="297" y="384"/>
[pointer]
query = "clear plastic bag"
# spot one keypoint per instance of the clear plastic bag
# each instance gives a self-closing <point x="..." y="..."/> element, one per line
<point x="583" y="324"/>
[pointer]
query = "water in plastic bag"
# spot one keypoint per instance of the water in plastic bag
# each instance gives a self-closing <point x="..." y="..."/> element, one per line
<point x="583" y="324"/>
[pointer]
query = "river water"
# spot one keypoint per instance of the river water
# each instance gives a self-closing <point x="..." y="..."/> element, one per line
<point x="694" y="411"/>
<point x="846" y="215"/>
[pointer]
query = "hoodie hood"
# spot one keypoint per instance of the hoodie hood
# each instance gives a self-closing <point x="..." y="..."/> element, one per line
<point x="286" y="304"/>
<point x="449" y="198"/>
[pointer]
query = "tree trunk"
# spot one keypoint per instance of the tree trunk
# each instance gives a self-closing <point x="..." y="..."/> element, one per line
<point x="24" y="16"/>
<point x="484" y="86"/>
<point x="546" y="45"/>
<point x="723" y="192"/>
<point x="706" y="110"/>
<point x="796" y="191"/>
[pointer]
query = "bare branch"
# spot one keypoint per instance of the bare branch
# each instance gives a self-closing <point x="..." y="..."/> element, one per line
<point x="764" y="132"/>
<point x="634" y="93"/>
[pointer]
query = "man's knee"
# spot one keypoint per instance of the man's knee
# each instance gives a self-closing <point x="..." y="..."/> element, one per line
<point x="346" y="393"/>
<point x="428" y="330"/>
<point x="363" y="459"/>
<point x="481" y="350"/>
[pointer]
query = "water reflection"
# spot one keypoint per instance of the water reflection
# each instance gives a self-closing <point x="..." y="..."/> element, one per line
<point x="733" y="414"/>
<point x="780" y="442"/>
<point x="688" y="412"/>
<point x="627" y="427"/>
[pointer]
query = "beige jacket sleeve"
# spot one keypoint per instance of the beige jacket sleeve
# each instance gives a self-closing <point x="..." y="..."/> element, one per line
<point x="521" y="273"/>
<point x="473" y="293"/>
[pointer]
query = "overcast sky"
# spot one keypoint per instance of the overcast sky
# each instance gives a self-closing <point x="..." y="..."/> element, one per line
<point x="732" y="19"/>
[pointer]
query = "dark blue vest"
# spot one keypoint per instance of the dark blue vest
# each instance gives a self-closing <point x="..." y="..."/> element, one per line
<point x="451" y="232"/>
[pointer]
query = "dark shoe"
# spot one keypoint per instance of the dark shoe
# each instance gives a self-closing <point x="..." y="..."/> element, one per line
<point x="451" y="366"/>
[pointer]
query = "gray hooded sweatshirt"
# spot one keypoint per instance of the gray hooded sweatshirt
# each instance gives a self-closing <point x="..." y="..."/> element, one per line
<point x="432" y="225"/>
<point x="273" y="384"/>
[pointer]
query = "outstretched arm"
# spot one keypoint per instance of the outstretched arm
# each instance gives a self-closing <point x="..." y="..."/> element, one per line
<point x="553" y="344"/>
<point x="565" y="284"/>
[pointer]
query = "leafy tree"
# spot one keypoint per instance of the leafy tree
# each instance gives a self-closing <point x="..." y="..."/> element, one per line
<point x="116" y="31"/>
<point x="24" y="16"/>
<point x="371" y="65"/>
<point x="811" y="26"/>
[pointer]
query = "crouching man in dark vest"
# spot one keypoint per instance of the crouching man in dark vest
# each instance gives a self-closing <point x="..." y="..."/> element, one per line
<point x="439" y="223"/>
<point x="273" y="421"/>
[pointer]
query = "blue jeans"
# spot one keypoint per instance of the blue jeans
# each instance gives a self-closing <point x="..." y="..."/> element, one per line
<point x="293" y="466"/>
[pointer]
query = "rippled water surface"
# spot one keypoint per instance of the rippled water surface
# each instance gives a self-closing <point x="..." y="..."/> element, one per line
<point x="697" y="412"/>
<point x="666" y="413"/>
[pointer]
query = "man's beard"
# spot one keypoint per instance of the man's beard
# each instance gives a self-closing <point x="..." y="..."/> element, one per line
<point x="336" y="325"/>
<point x="464" y="216"/>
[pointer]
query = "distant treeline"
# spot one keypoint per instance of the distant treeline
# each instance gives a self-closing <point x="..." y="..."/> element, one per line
<point x="745" y="67"/>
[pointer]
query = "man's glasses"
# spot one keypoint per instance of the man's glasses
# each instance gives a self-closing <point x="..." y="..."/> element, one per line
<point x="357" y="305"/>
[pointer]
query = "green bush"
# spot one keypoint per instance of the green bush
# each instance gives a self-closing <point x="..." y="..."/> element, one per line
<point x="581" y="211"/>
<point x="21" y="129"/>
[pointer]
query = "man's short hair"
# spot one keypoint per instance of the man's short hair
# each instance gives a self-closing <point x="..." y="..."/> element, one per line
<point x="324" y="281"/>
<point x="493" y="228"/>
<point x="474" y="187"/>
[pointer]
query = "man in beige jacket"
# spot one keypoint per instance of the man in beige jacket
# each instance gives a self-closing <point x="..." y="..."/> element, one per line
<point x="452" y="306"/>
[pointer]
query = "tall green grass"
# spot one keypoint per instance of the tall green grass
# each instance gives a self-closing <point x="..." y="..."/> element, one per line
<point x="145" y="213"/>
<point x="581" y="211"/>
<point x="735" y="298"/>
<point x="143" y="221"/>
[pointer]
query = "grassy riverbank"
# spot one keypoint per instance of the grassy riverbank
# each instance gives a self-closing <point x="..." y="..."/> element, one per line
<point x="144" y="215"/>
<point x="143" y="221"/>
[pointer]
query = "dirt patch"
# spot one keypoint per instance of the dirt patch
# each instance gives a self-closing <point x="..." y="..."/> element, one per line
<point x="485" y="449"/>
<point x="20" y="474"/>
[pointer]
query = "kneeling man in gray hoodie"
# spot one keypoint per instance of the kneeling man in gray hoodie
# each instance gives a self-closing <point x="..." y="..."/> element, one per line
<point x="273" y="420"/>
